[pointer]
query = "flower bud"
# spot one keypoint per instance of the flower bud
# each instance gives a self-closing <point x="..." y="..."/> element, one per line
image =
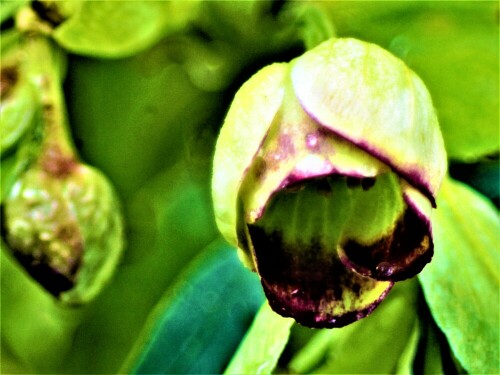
<point x="325" y="175"/>
<point x="61" y="218"/>
<point x="62" y="221"/>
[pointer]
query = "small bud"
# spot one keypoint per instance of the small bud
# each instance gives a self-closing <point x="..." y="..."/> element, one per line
<point x="62" y="221"/>
<point x="325" y="174"/>
<point x="61" y="218"/>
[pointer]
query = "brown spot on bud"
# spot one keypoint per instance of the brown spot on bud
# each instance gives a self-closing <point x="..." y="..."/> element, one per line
<point x="8" y="78"/>
<point x="56" y="163"/>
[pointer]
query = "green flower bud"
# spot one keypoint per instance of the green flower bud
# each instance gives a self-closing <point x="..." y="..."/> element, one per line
<point x="325" y="174"/>
<point x="61" y="218"/>
<point x="62" y="221"/>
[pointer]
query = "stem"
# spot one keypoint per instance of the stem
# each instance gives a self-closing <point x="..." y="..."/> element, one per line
<point x="45" y="67"/>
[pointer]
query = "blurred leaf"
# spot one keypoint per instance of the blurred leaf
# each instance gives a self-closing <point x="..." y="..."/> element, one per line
<point x="461" y="284"/>
<point x="120" y="29"/>
<point x="379" y="339"/>
<point x="130" y="117"/>
<point x="313" y="25"/>
<point x="201" y="318"/>
<point x="454" y="47"/>
<point x="11" y="365"/>
<point x="7" y="175"/>
<point x="483" y="176"/>
<point x="405" y="362"/>
<point x="432" y="362"/>
<point x="30" y="316"/>
<point x="261" y="348"/>
<point x="8" y="8"/>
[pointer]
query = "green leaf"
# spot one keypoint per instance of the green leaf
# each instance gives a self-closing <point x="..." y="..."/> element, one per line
<point x="405" y="362"/>
<point x="8" y="8"/>
<point x="7" y="176"/>
<point x="30" y="316"/>
<point x="201" y="318"/>
<point x="260" y="350"/>
<point x="120" y="29"/>
<point x="379" y="339"/>
<point x="9" y="364"/>
<point x="126" y="121"/>
<point x="461" y="284"/>
<point x="313" y="25"/>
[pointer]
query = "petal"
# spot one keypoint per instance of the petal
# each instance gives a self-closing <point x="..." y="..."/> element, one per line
<point x="245" y="127"/>
<point x="295" y="248"/>
<point x="316" y="289"/>
<point x="401" y="254"/>
<point x="370" y="98"/>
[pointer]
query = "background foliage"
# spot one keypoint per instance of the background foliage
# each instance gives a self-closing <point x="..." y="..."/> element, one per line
<point x="181" y="302"/>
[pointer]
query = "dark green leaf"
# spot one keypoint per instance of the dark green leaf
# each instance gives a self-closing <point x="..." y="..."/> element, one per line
<point x="461" y="284"/>
<point x="201" y="318"/>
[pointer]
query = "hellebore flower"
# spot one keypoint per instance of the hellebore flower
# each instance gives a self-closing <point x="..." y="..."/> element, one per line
<point x="325" y="175"/>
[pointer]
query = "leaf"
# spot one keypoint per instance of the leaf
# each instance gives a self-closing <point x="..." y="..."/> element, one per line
<point x="201" y="318"/>
<point x="260" y="350"/>
<point x="405" y="362"/>
<point x="461" y="285"/>
<point x="120" y="29"/>
<point x="136" y="127"/>
<point x="8" y="8"/>
<point x="7" y="176"/>
<point x="30" y="316"/>
<point x="379" y="339"/>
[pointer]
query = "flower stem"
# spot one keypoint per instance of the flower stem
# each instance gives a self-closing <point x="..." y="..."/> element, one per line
<point x="45" y="67"/>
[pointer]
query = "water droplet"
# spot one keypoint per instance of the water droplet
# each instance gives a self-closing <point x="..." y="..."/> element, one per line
<point x="385" y="269"/>
<point x="312" y="140"/>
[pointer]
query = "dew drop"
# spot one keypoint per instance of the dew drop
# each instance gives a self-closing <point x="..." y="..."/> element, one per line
<point x="312" y="140"/>
<point x="385" y="269"/>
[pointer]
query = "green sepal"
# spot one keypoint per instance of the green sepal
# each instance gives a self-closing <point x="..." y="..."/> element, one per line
<point x="374" y="101"/>
<point x="245" y="127"/>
